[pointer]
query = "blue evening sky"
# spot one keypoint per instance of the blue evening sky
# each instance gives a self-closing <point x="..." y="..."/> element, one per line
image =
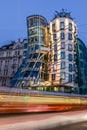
<point x="13" y="15"/>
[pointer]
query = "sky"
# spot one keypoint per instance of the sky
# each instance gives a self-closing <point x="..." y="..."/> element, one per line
<point x="13" y="15"/>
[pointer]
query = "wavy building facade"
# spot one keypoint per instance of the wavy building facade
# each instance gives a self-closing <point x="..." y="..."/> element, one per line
<point x="63" y="33"/>
<point x="53" y="59"/>
<point x="33" y="68"/>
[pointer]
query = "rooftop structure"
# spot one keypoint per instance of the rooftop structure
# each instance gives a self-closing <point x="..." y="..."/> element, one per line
<point x="63" y="14"/>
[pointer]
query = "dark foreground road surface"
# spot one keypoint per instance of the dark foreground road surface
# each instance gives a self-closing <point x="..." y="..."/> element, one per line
<point x="76" y="120"/>
<point x="76" y="126"/>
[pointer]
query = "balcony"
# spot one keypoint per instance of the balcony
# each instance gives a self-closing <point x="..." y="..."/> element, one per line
<point x="43" y="49"/>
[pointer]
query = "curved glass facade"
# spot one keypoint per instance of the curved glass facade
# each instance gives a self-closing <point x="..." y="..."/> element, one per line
<point x="36" y="29"/>
<point x="29" y="72"/>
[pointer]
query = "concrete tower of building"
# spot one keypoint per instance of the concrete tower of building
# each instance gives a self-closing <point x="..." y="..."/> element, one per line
<point x="62" y="65"/>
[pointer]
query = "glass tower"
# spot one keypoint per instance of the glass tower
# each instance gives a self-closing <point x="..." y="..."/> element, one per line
<point x="30" y="71"/>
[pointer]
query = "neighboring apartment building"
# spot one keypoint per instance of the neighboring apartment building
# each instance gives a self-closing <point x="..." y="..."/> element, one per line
<point x="10" y="59"/>
<point x="63" y="33"/>
<point x="82" y="66"/>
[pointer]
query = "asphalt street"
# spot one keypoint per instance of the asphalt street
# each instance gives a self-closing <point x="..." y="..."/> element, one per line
<point x="76" y="120"/>
<point x="76" y="126"/>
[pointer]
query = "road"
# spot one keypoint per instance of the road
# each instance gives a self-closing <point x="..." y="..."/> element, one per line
<point x="45" y="121"/>
<point x="75" y="126"/>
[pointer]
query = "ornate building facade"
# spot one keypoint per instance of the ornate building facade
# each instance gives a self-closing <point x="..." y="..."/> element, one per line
<point x="11" y="56"/>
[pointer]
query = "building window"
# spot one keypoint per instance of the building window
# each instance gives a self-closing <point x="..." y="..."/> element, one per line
<point x="55" y="57"/>
<point x="70" y="57"/>
<point x="70" y="26"/>
<point x="53" y="76"/>
<point x="8" y="53"/>
<point x="69" y="36"/>
<point x="62" y="55"/>
<point x="53" y="27"/>
<point x="62" y="75"/>
<point x="70" y="78"/>
<point x="24" y="53"/>
<point x="14" y="61"/>
<point x="1" y="54"/>
<point x="70" y="67"/>
<point x="25" y="46"/>
<point x="62" y="65"/>
<point x="7" y="62"/>
<point x="5" y="71"/>
<point x="54" y="36"/>
<point x="17" y="53"/>
<point x="62" y="26"/>
<point x="37" y="47"/>
<point x="62" y="45"/>
<point x="54" y="67"/>
<point x="55" y="47"/>
<point x="3" y="82"/>
<point x="62" y="35"/>
<point x="69" y="47"/>
<point x="74" y="67"/>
